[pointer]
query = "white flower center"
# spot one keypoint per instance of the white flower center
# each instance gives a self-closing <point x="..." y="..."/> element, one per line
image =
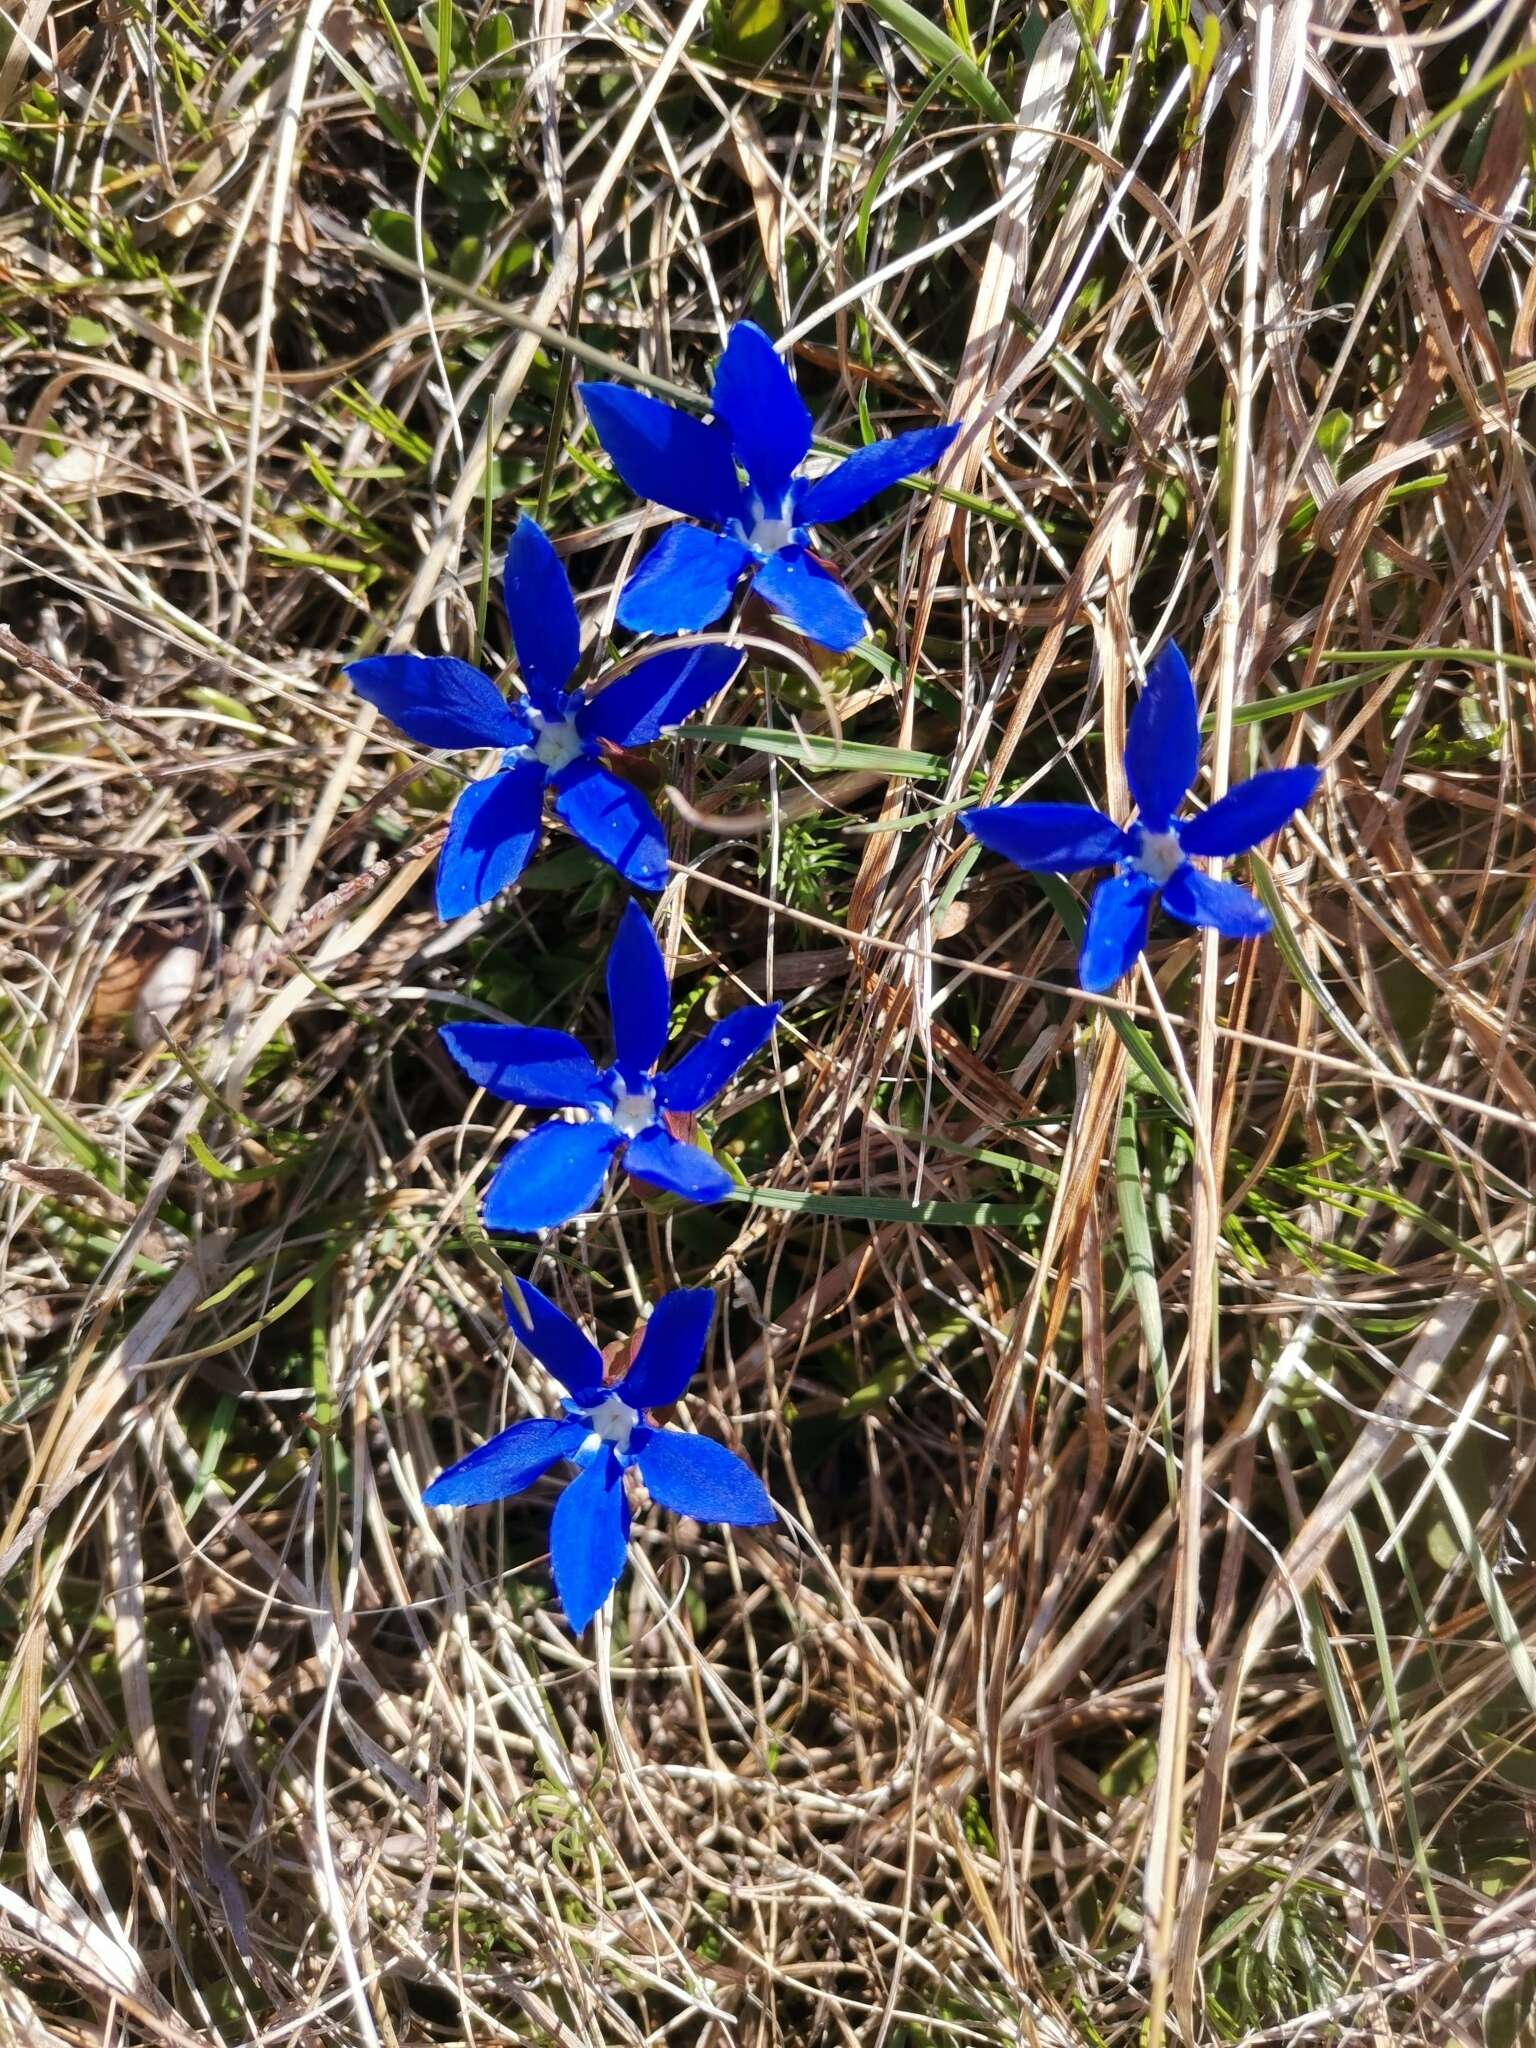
<point x="558" y="744"/>
<point x="612" y="1421"/>
<point x="769" y="535"/>
<point x="1158" y="855"/>
<point x="633" y="1111"/>
<point x="772" y="526"/>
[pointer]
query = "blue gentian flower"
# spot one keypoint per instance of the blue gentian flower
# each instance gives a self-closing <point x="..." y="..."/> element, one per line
<point x="553" y="738"/>
<point x="762" y="526"/>
<point x="557" y="1171"/>
<point x="603" y="1435"/>
<point x="1152" y="855"/>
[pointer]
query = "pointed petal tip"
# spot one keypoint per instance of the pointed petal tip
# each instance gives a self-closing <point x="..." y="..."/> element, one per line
<point x="671" y="1348"/>
<point x="546" y="1179"/>
<point x="1048" y="838"/>
<point x="658" y="694"/>
<point x="613" y="820"/>
<point x="1250" y="812"/>
<point x="665" y="454"/>
<point x="589" y="1539"/>
<point x="701" y="1477"/>
<point x="1162" y="740"/>
<point x="869" y="470"/>
<point x="794" y="585"/>
<point x="493" y="833"/>
<point x="676" y="1168"/>
<point x="639" y="995"/>
<point x="541" y="611"/>
<point x="753" y="393"/>
<point x="684" y="584"/>
<point x="1115" y="933"/>
<point x="706" y="1068"/>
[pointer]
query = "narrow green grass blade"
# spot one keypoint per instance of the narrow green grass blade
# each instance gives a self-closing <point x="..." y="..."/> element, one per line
<point x="1287" y="703"/>
<point x="1141" y="1263"/>
<point x="1392" y="1703"/>
<point x="1130" y="1034"/>
<point x="1506" y="1626"/>
<point x="1367" y="658"/>
<point x="813" y="752"/>
<point x="1290" y="951"/>
<point x="936" y="47"/>
<point x="891" y="1209"/>
<point x="1336" y="1699"/>
<point x="71" y="1136"/>
<point x="887" y="157"/>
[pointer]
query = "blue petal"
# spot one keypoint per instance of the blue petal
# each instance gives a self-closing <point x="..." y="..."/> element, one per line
<point x="665" y="455"/>
<point x="671" y="1349"/>
<point x="660" y="691"/>
<point x="638" y="997"/>
<point x="1198" y="899"/>
<point x="589" y="1539"/>
<point x="1117" y="930"/>
<point x="704" y="1069"/>
<point x="1247" y="815"/>
<point x="524" y="1063"/>
<point x="561" y="1346"/>
<point x="506" y="1464"/>
<point x="658" y="1157"/>
<point x="492" y="836"/>
<point x="541" y="612"/>
<point x="693" y="1475"/>
<point x="1048" y="839"/>
<point x="868" y="471"/>
<point x="1162" y="746"/>
<point x="793" y="584"/>
<point x="684" y="583"/>
<point x="756" y="397"/>
<point x="438" y="701"/>
<point x="614" y="820"/>
<point x="553" y="1174"/>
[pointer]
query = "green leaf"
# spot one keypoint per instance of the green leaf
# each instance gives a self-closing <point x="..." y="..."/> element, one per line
<point x="227" y="707"/>
<point x="208" y="1464"/>
<point x="495" y="37"/>
<point x="243" y="1176"/>
<point x="1132" y="1770"/>
<point x="749" y="30"/>
<point x="939" y="49"/>
<point x="1287" y="703"/>
<point x="82" y="332"/>
<point x="465" y="105"/>
<point x="397" y="231"/>
<point x="1333" y="435"/>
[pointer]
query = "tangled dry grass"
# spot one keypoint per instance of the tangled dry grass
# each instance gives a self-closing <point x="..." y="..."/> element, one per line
<point x="1146" y="1383"/>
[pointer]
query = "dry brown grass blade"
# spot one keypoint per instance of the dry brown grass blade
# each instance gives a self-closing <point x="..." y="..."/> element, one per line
<point x="1306" y="1557"/>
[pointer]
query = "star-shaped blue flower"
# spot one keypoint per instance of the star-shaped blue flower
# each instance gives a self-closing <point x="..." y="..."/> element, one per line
<point x="553" y="739"/>
<point x="603" y="1435"/>
<point x="557" y="1171"/>
<point x="1151" y="856"/>
<point x="762" y="526"/>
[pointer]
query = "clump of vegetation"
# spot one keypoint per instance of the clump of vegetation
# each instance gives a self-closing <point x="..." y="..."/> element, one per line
<point x="1141" y="1379"/>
